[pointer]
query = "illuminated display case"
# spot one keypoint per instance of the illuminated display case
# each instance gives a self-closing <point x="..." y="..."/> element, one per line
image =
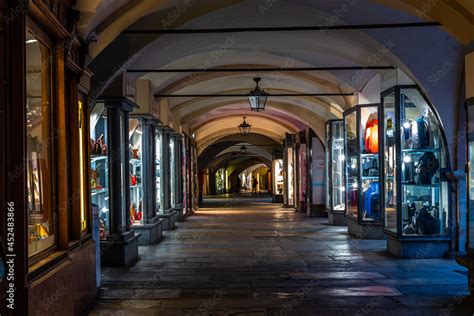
<point x="335" y="159"/>
<point x="136" y="171"/>
<point x="100" y="167"/>
<point x="416" y="201"/>
<point x="145" y="178"/>
<point x="467" y="260"/>
<point x="158" y="170"/>
<point x="470" y="178"/>
<point x="362" y="176"/>
<point x="278" y="176"/>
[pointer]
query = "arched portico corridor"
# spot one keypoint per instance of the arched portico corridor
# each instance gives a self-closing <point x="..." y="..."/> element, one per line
<point x="236" y="157"/>
<point x="247" y="257"/>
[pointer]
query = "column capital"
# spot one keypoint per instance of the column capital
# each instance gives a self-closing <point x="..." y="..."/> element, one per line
<point x="121" y="103"/>
<point x="470" y="48"/>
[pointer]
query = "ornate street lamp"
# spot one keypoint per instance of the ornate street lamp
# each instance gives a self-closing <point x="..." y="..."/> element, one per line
<point x="257" y="98"/>
<point x="243" y="149"/>
<point x="245" y="128"/>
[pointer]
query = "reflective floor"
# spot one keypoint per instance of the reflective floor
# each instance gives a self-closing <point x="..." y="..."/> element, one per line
<point x="247" y="257"/>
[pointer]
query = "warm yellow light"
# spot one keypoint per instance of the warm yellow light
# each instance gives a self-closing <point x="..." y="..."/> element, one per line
<point x="82" y="197"/>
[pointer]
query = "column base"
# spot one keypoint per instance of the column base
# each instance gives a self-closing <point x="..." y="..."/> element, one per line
<point x="169" y="219"/>
<point x="179" y="213"/>
<point x="150" y="233"/>
<point x="317" y="211"/>
<point x="417" y="249"/>
<point x="364" y="231"/>
<point x="120" y="250"/>
<point x="277" y="198"/>
<point x="337" y="219"/>
<point x="468" y="262"/>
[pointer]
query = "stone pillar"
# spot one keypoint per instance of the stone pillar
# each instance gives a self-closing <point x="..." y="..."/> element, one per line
<point x="177" y="204"/>
<point x="167" y="213"/>
<point x="468" y="260"/>
<point x="121" y="246"/>
<point x="165" y="172"/>
<point x="151" y="228"/>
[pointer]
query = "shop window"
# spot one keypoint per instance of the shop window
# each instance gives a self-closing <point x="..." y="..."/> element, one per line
<point x="172" y="155"/>
<point x="39" y="150"/>
<point x="390" y="169"/>
<point x="100" y="167"/>
<point x="415" y="158"/>
<point x="82" y="184"/>
<point x="136" y="175"/>
<point x="158" y="170"/>
<point x="352" y="164"/>
<point x="470" y="139"/>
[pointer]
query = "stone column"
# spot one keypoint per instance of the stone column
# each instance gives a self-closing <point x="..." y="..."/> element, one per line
<point x="121" y="246"/>
<point x="167" y="213"/>
<point x="468" y="260"/>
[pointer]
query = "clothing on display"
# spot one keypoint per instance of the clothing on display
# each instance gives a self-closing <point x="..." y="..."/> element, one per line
<point x="354" y="198"/>
<point x="372" y="136"/>
<point x="417" y="134"/>
<point x="372" y="201"/>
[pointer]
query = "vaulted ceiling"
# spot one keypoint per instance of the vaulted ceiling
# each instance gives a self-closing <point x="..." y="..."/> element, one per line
<point x="419" y="52"/>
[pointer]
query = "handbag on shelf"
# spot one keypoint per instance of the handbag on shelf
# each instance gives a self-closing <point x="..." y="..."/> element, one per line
<point x="370" y="168"/>
<point x="426" y="223"/>
<point x="409" y="173"/>
<point x="426" y="168"/>
<point x="98" y="147"/>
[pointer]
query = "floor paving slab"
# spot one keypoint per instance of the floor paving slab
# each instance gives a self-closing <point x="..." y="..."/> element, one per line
<point x="240" y="258"/>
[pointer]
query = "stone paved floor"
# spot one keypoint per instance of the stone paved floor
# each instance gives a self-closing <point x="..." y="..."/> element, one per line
<point x="241" y="258"/>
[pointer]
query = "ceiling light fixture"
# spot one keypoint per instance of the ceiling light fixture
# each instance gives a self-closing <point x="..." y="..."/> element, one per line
<point x="245" y="128"/>
<point x="257" y="97"/>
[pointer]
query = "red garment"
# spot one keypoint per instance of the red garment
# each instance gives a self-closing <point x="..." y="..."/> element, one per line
<point x="372" y="136"/>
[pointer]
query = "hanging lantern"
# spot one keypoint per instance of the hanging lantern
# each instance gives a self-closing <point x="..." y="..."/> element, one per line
<point x="257" y="97"/>
<point x="243" y="149"/>
<point x="245" y="128"/>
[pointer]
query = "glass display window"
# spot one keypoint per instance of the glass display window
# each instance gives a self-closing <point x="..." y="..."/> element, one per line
<point x="82" y="166"/>
<point x="470" y="178"/>
<point x="362" y="163"/>
<point x="351" y="160"/>
<point x="291" y="177"/>
<point x="158" y="168"/>
<point x="278" y="176"/>
<point x="416" y="200"/>
<point x="136" y="176"/>
<point x="39" y="146"/>
<point x="220" y="181"/>
<point x="327" y="158"/>
<point x="335" y="161"/>
<point x="100" y="167"/>
<point x="173" y="173"/>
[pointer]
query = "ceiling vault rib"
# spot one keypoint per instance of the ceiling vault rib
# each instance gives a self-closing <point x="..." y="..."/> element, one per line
<point x="282" y="29"/>
<point x="279" y="69"/>
<point x="246" y="95"/>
